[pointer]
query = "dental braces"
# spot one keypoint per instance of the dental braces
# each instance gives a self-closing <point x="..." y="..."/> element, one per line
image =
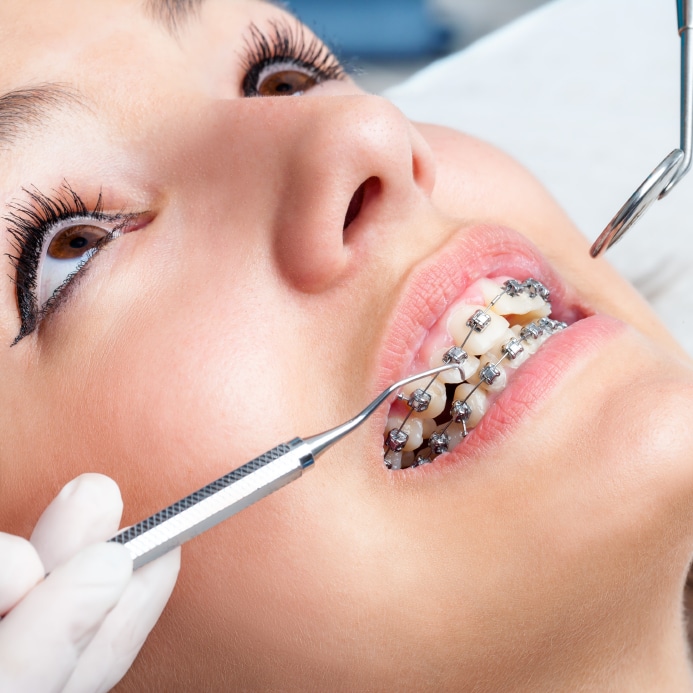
<point x="461" y="411"/>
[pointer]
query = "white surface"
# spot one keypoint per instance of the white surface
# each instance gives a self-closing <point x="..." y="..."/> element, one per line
<point x="585" y="93"/>
<point x="472" y="19"/>
<point x="467" y="20"/>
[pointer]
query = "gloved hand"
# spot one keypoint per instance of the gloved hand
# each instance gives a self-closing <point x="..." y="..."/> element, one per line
<point x="79" y="630"/>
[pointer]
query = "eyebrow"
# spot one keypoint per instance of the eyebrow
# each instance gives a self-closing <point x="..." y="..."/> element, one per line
<point x="28" y="107"/>
<point x="173" y="13"/>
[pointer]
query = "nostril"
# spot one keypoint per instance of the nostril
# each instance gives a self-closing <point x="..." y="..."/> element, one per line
<point x="356" y="203"/>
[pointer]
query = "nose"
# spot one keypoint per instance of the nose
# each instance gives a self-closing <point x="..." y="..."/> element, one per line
<point x="346" y="168"/>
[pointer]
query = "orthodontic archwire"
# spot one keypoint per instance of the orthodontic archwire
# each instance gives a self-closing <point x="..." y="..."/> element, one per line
<point x="460" y="410"/>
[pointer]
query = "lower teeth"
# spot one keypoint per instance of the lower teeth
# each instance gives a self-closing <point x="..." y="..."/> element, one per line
<point x="440" y="412"/>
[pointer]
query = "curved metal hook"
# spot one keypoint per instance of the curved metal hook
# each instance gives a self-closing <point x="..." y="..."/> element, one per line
<point x="673" y="167"/>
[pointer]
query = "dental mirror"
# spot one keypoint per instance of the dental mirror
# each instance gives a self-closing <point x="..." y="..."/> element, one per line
<point x="673" y="168"/>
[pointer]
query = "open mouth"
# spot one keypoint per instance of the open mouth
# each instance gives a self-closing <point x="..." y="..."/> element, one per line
<point x="489" y="333"/>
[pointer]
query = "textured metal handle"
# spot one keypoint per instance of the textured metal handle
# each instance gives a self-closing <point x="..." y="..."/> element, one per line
<point x="215" y="502"/>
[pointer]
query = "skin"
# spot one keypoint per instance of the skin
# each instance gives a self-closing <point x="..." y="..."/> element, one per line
<point x="241" y="315"/>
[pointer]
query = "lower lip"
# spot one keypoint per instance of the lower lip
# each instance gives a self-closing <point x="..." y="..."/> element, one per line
<point x="531" y="386"/>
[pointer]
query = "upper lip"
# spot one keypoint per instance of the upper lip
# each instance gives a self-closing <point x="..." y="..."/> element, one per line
<point x="440" y="280"/>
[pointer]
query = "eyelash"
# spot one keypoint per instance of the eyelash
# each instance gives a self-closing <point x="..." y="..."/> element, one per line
<point x="287" y="43"/>
<point x="29" y="225"/>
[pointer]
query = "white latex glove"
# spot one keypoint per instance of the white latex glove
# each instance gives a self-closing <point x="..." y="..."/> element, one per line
<point x="79" y="630"/>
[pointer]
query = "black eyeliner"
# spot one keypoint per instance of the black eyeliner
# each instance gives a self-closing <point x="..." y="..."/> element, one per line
<point x="287" y="42"/>
<point x="29" y="225"/>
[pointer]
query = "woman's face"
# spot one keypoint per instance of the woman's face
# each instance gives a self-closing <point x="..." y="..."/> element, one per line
<point x="269" y="265"/>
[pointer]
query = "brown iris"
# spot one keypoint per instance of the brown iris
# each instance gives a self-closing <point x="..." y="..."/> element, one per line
<point x="75" y="241"/>
<point x="286" y="83"/>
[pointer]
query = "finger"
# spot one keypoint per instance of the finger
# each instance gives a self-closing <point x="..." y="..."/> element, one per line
<point x="42" y="638"/>
<point x="20" y="570"/>
<point x="86" y="511"/>
<point x="126" y="627"/>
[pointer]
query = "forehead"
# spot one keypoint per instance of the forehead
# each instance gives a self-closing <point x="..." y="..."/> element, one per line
<point x="79" y="71"/>
<point x="51" y="40"/>
<point x="171" y="14"/>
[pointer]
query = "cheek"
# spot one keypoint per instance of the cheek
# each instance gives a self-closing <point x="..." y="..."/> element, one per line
<point x="167" y="393"/>
<point x="171" y="385"/>
<point x="478" y="183"/>
<point x="163" y="413"/>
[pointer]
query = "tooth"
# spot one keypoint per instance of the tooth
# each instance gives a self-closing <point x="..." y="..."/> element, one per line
<point x="534" y="344"/>
<point x="510" y="333"/>
<point x="515" y="351"/>
<point x="436" y="390"/>
<point x="413" y="428"/>
<point x="408" y="459"/>
<point x="471" y="366"/>
<point x="531" y="346"/>
<point x="478" y="342"/>
<point x="535" y="336"/>
<point x="518" y="360"/>
<point x="455" y="433"/>
<point x="439" y="442"/>
<point x="477" y="402"/>
<point x="508" y="362"/>
<point x="509" y="305"/>
<point x="453" y="376"/>
<point x="394" y="459"/>
<point x="424" y="456"/>
<point x="498" y="381"/>
<point x="438" y="399"/>
<point x="504" y="339"/>
<point x="428" y="426"/>
<point x="542" y="312"/>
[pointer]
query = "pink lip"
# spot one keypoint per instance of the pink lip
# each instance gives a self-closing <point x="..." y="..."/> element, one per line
<point x="441" y="280"/>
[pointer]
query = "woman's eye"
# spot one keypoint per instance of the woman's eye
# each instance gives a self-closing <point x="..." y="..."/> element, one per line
<point x="54" y="237"/>
<point x="285" y="60"/>
<point x="69" y="249"/>
<point x="75" y="241"/>
<point x="284" y="80"/>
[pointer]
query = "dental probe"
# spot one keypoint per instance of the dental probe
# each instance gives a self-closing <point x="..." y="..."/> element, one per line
<point x="241" y="487"/>
<point x="676" y="164"/>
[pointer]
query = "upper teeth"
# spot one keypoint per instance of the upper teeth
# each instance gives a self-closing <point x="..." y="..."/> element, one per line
<point x="529" y="300"/>
<point x="503" y="333"/>
<point x="477" y="340"/>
